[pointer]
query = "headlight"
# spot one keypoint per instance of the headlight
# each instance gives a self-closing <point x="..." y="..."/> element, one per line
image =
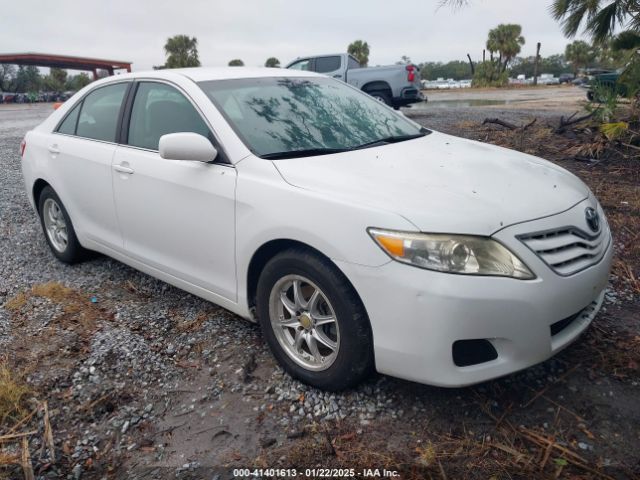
<point x="451" y="253"/>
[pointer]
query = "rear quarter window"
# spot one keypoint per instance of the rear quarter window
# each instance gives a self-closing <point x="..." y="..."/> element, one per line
<point x="68" y="126"/>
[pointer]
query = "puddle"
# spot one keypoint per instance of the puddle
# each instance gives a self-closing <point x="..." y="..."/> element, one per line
<point x="477" y="102"/>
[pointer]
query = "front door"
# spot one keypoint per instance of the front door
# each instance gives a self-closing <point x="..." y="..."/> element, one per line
<point x="177" y="216"/>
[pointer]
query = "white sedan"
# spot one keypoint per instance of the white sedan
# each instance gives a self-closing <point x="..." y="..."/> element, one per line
<point x="356" y="238"/>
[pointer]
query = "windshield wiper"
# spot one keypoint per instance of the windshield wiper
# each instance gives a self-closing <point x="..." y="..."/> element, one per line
<point x="392" y="139"/>
<point x="311" y="152"/>
<point x="308" y="152"/>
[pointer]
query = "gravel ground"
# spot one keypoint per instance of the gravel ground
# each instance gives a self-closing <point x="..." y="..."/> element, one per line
<point x="146" y="381"/>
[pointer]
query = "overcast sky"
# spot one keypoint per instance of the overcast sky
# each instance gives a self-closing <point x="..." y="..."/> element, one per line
<point x="253" y="30"/>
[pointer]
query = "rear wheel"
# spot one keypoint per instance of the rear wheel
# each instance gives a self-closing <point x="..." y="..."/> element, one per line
<point x="58" y="229"/>
<point x="382" y="96"/>
<point x="313" y="321"/>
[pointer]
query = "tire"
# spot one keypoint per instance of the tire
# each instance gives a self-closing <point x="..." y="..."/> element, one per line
<point x="352" y="359"/>
<point x="382" y="96"/>
<point x="69" y="251"/>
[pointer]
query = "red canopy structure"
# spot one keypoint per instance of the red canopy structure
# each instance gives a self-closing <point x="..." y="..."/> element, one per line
<point x="65" y="61"/>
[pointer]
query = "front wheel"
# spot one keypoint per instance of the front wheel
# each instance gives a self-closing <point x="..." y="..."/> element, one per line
<point x="313" y="321"/>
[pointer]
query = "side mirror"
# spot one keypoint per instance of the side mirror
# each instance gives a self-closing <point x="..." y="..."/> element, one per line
<point x="186" y="146"/>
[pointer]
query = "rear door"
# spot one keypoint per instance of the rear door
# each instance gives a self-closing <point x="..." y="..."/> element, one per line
<point x="176" y="216"/>
<point x="82" y="149"/>
<point x="329" y="65"/>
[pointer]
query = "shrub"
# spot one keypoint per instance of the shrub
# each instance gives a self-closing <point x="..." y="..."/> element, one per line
<point x="489" y="74"/>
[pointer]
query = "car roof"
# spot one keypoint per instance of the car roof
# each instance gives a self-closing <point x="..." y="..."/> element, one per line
<point x="202" y="74"/>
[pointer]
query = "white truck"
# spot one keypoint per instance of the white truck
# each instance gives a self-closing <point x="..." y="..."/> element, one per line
<point x="395" y="85"/>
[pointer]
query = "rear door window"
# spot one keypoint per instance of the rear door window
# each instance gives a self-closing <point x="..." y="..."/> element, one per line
<point x="159" y="109"/>
<point x="100" y="111"/>
<point x="327" y="64"/>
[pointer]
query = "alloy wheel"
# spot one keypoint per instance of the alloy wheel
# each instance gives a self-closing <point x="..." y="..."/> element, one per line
<point x="55" y="225"/>
<point x="304" y="322"/>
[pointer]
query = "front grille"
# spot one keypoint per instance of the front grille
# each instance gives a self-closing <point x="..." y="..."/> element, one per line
<point x="568" y="250"/>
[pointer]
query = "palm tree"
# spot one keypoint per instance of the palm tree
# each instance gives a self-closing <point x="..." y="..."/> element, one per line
<point x="506" y="39"/>
<point x="181" y="51"/>
<point x="579" y="54"/>
<point x="236" y="62"/>
<point x="360" y="50"/>
<point x="600" y="18"/>
<point x="272" y="62"/>
<point x="626" y="40"/>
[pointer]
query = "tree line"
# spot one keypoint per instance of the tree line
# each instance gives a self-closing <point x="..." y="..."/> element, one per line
<point x="578" y="55"/>
<point x="609" y="47"/>
<point x="29" y="79"/>
<point x="607" y="50"/>
<point x="181" y="51"/>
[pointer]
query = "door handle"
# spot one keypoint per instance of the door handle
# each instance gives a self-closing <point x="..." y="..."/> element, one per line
<point x="123" y="169"/>
<point x="53" y="149"/>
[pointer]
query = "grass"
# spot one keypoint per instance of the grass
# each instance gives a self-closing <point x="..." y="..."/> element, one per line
<point x="54" y="291"/>
<point x="76" y="307"/>
<point x="14" y="397"/>
<point x="14" y="394"/>
<point x="16" y="303"/>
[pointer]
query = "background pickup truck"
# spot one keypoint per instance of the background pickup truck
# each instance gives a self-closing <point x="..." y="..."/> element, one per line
<point x="395" y="85"/>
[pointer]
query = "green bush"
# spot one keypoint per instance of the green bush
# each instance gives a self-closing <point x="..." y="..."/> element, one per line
<point x="630" y="78"/>
<point x="489" y="74"/>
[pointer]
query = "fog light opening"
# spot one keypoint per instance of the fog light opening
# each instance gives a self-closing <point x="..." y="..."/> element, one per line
<point x="473" y="352"/>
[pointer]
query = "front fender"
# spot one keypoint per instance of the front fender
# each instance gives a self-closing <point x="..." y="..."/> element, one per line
<point x="268" y="208"/>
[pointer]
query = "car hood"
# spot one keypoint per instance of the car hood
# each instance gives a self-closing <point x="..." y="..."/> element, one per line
<point x="442" y="183"/>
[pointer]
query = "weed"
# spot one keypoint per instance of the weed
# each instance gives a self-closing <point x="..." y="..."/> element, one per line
<point x="13" y="396"/>
<point x="16" y="303"/>
<point x="54" y="291"/>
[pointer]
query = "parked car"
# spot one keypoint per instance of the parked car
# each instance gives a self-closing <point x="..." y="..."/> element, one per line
<point x="395" y="85"/>
<point x="355" y="237"/>
<point x="580" y="81"/>
<point x="548" y="79"/>
<point x="606" y="81"/>
<point x="566" y="78"/>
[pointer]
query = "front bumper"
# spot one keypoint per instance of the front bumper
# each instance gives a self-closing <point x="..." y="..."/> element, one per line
<point x="416" y="315"/>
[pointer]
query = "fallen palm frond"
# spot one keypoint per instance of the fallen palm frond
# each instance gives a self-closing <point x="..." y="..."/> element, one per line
<point x="614" y="131"/>
<point x="508" y="452"/>
<point x="509" y="125"/>
<point x="27" y="467"/>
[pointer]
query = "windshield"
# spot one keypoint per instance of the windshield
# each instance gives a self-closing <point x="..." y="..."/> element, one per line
<point x="287" y="117"/>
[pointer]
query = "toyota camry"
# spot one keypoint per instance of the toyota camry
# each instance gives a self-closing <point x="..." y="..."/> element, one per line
<point x="358" y="239"/>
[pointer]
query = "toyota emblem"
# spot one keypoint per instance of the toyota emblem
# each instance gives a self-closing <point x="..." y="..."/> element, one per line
<point x="593" y="219"/>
